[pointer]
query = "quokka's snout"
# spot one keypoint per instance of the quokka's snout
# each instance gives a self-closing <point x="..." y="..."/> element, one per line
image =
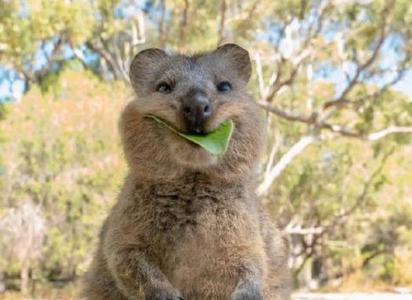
<point x="196" y="109"/>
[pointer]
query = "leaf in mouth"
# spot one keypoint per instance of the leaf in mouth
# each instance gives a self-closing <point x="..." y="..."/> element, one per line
<point x="215" y="142"/>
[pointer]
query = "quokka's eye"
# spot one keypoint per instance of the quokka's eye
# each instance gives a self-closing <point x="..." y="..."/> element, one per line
<point x="224" y="86"/>
<point x="164" y="88"/>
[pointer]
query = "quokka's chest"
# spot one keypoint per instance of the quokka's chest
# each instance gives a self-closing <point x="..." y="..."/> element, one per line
<point x="176" y="214"/>
<point x="175" y="207"/>
<point x="201" y="246"/>
<point x="201" y="223"/>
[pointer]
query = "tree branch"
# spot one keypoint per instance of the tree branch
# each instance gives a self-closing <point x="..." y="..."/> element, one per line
<point x="315" y="123"/>
<point x="275" y="148"/>
<point x="105" y="55"/>
<point x="222" y="24"/>
<point x="360" y="68"/>
<point x="304" y="231"/>
<point x="371" y="137"/>
<point x="283" y="162"/>
<point x="162" y="39"/>
<point x="390" y="130"/>
<point x="183" y="21"/>
<point x="290" y="116"/>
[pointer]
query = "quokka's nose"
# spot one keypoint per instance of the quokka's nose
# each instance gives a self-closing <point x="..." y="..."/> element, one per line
<point x="196" y="109"/>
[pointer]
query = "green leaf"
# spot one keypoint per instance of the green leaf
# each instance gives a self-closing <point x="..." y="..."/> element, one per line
<point x="215" y="142"/>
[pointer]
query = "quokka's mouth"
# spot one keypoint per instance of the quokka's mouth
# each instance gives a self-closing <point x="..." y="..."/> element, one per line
<point x="215" y="142"/>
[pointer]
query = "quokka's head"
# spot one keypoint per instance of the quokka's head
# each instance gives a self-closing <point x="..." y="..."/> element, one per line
<point x="194" y="94"/>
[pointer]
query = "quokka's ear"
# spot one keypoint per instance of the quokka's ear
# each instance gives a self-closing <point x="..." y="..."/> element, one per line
<point x="143" y="66"/>
<point x="238" y="59"/>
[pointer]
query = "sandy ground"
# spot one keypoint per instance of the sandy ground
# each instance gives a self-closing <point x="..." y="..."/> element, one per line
<point x="352" y="296"/>
<point x="296" y="296"/>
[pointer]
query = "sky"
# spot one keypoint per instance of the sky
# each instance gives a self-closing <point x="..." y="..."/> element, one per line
<point x="12" y="88"/>
<point x="405" y="85"/>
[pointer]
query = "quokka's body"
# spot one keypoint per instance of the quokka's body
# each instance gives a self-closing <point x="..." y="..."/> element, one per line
<point x="187" y="224"/>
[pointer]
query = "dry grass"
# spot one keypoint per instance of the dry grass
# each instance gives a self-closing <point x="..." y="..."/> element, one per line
<point x="45" y="292"/>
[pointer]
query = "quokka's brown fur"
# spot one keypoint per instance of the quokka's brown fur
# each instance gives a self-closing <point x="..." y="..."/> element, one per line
<point x="187" y="224"/>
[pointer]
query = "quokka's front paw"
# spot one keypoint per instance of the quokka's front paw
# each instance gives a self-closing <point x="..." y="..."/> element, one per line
<point x="163" y="294"/>
<point x="247" y="291"/>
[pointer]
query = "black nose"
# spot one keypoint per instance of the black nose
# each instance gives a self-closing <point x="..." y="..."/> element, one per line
<point x="196" y="109"/>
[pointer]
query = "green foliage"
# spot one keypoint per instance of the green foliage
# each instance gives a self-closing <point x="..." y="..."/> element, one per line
<point x="3" y="112"/>
<point x="215" y="142"/>
<point x="64" y="155"/>
<point x="352" y="193"/>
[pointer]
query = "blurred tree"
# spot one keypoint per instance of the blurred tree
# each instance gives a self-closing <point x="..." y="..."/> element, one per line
<point x="22" y="232"/>
<point x="58" y="158"/>
<point x="35" y="36"/>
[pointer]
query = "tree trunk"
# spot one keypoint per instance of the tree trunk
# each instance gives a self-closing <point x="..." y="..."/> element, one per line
<point x="283" y="163"/>
<point x="24" y="277"/>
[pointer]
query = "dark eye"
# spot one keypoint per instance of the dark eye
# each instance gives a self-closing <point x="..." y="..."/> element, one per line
<point x="224" y="86"/>
<point x="164" y="88"/>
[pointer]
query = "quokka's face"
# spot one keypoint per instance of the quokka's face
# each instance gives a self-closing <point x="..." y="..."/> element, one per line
<point x="194" y="94"/>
